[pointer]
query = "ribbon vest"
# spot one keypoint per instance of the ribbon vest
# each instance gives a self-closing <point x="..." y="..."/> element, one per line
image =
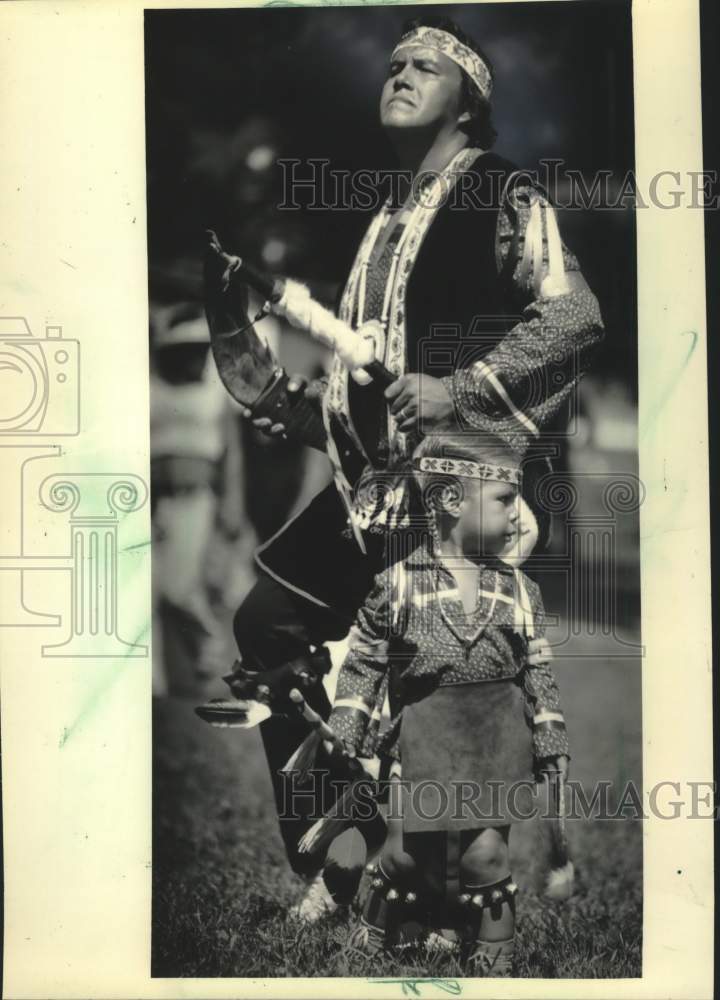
<point x="445" y="298"/>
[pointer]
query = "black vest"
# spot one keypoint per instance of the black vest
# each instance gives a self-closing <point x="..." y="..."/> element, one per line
<point x="456" y="304"/>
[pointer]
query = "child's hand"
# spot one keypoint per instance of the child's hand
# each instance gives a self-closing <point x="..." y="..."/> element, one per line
<point x="555" y="765"/>
<point x="539" y="652"/>
<point x="371" y="765"/>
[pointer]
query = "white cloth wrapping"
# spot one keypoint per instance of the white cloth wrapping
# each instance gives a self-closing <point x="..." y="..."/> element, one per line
<point x="303" y="312"/>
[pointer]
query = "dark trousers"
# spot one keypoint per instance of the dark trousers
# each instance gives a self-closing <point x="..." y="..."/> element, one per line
<point x="272" y="626"/>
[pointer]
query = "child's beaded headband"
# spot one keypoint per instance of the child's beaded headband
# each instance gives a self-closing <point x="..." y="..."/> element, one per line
<point x="470" y="470"/>
<point x="451" y="47"/>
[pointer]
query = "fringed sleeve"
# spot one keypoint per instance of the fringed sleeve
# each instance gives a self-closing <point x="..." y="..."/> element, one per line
<point x="520" y="385"/>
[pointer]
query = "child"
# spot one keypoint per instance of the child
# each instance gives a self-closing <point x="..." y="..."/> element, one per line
<point x="473" y="701"/>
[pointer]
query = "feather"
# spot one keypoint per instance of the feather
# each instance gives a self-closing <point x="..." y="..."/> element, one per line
<point x="560" y="882"/>
<point x="303" y="760"/>
<point x="233" y="713"/>
<point x="322" y="833"/>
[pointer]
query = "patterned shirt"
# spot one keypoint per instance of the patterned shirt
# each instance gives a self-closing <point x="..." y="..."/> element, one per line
<point x="544" y="356"/>
<point x="540" y="360"/>
<point x="413" y="626"/>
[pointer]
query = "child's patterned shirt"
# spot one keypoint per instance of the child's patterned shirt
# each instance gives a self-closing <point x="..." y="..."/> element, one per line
<point x="413" y="634"/>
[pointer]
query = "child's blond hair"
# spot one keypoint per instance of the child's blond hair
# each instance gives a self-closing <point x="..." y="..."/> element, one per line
<point x="470" y="447"/>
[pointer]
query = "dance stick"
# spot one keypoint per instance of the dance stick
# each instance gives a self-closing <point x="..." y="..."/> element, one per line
<point x="304" y="756"/>
<point x="561" y="877"/>
<point x="293" y="301"/>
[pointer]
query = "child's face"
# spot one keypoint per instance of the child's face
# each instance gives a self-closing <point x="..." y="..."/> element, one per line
<point x="487" y="522"/>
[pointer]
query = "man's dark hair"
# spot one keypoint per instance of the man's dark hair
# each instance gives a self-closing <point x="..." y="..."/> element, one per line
<point x="479" y="129"/>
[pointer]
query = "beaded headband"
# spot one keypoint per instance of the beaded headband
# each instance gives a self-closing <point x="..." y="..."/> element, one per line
<point x="460" y="54"/>
<point x="469" y="470"/>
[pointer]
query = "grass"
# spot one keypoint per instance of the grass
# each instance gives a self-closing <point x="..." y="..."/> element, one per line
<point x="222" y="887"/>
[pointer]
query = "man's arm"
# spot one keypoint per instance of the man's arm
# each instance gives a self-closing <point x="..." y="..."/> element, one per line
<point x="531" y="373"/>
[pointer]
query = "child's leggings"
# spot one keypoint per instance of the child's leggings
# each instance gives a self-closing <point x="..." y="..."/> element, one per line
<point x="456" y="882"/>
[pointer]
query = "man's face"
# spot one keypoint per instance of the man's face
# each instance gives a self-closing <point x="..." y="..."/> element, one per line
<point x="422" y="91"/>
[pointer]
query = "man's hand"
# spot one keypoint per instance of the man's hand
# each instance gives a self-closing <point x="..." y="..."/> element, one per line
<point x="297" y="384"/>
<point x="419" y="401"/>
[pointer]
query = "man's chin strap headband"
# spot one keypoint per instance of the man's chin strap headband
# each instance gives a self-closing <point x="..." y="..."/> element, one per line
<point x="449" y="45"/>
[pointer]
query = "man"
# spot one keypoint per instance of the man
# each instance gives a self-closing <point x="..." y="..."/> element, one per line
<point x="481" y="314"/>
